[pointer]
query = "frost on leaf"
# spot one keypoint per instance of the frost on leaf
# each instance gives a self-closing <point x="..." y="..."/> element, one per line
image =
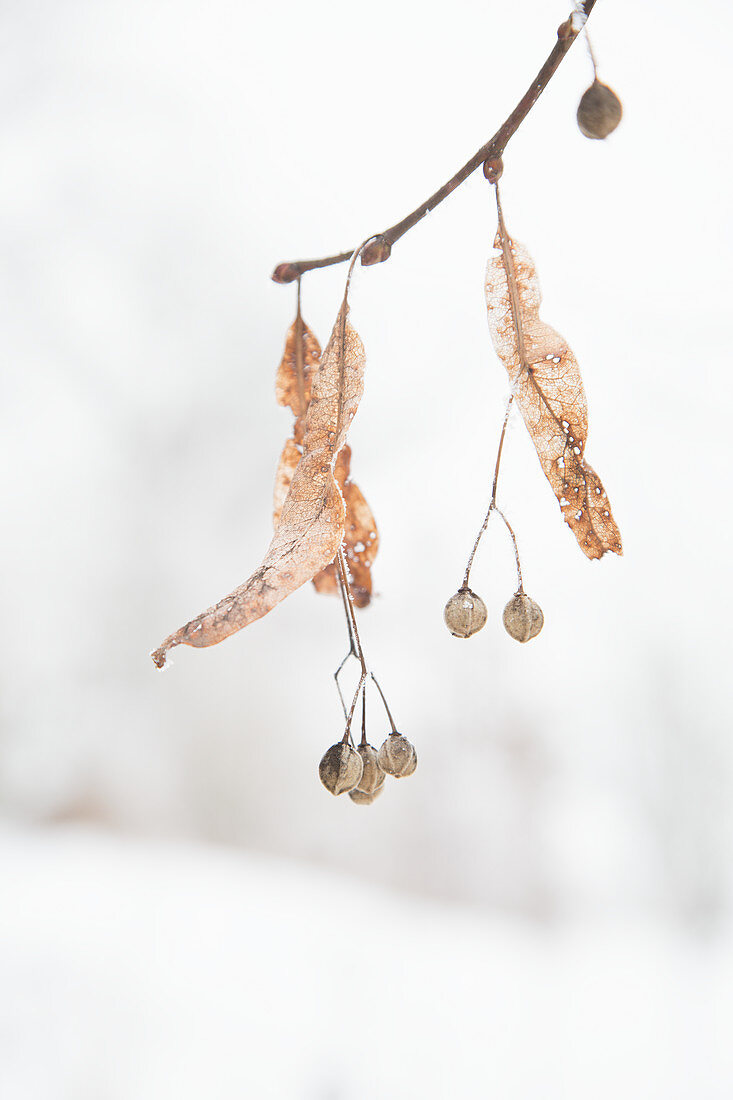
<point x="548" y="389"/>
<point x="312" y="518"/>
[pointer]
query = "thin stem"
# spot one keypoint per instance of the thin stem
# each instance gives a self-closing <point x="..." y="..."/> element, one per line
<point x="386" y="704"/>
<point x="356" y="651"/>
<point x="492" y="503"/>
<point x="345" y="598"/>
<point x="520" y="583"/>
<point x="363" y="719"/>
<point x="500" y="448"/>
<point x="350" y="716"/>
<point x="352" y="643"/>
<point x="342" y="340"/>
<point x="511" y="281"/>
<point x="349" y="604"/>
<point x="566" y="34"/>
<point x="354" y="258"/>
<point x="354" y="635"/>
<point x="592" y="56"/>
<point x="493" y="508"/>
<point x="299" y="358"/>
<point x="338" y="683"/>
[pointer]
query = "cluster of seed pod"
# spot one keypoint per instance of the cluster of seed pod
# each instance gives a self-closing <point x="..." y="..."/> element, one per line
<point x="465" y="614"/>
<point x="361" y="772"/>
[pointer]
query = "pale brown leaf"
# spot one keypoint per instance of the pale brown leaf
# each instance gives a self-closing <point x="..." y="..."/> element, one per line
<point x="361" y="539"/>
<point x="548" y="389"/>
<point x="295" y="374"/>
<point x="311" y="523"/>
<point x="286" y="467"/>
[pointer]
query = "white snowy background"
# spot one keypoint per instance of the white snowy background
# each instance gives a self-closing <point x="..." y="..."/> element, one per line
<point x="544" y="909"/>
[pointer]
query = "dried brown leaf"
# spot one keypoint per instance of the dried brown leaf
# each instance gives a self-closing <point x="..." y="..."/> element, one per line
<point x="286" y="467"/>
<point x="294" y="376"/>
<point x="548" y="389"/>
<point x="312" y="519"/>
<point x="361" y="540"/>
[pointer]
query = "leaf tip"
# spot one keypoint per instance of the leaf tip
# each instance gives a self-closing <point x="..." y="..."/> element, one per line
<point x="159" y="657"/>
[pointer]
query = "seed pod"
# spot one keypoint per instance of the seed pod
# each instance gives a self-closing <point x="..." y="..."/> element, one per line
<point x="523" y="618"/>
<point x="599" y="111"/>
<point x="363" y="798"/>
<point x="372" y="778"/>
<point x="340" y="768"/>
<point x="397" y="756"/>
<point x="465" y="613"/>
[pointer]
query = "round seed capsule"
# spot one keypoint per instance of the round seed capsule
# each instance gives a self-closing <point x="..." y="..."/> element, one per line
<point x="523" y="618"/>
<point x="397" y="756"/>
<point x="340" y="768"/>
<point x="465" y="613"/>
<point x="372" y="778"/>
<point x="363" y="798"/>
<point x="599" y="111"/>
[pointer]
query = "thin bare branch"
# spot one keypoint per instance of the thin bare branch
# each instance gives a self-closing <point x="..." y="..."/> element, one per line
<point x="381" y="246"/>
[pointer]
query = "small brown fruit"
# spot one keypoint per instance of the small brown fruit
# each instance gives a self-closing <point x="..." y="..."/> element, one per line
<point x="372" y="778"/>
<point x="599" y="111"/>
<point x="363" y="798"/>
<point x="340" y="768"/>
<point x="523" y="618"/>
<point x="397" y="756"/>
<point x="465" y="613"/>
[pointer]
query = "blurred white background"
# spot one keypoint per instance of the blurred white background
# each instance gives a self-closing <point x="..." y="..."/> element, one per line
<point x="187" y="912"/>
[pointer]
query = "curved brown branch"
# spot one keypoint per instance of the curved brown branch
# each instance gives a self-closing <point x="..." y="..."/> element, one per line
<point x="381" y="247"/>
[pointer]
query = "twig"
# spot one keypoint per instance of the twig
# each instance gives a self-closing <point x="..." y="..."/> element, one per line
<point x="381" y="247"/>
